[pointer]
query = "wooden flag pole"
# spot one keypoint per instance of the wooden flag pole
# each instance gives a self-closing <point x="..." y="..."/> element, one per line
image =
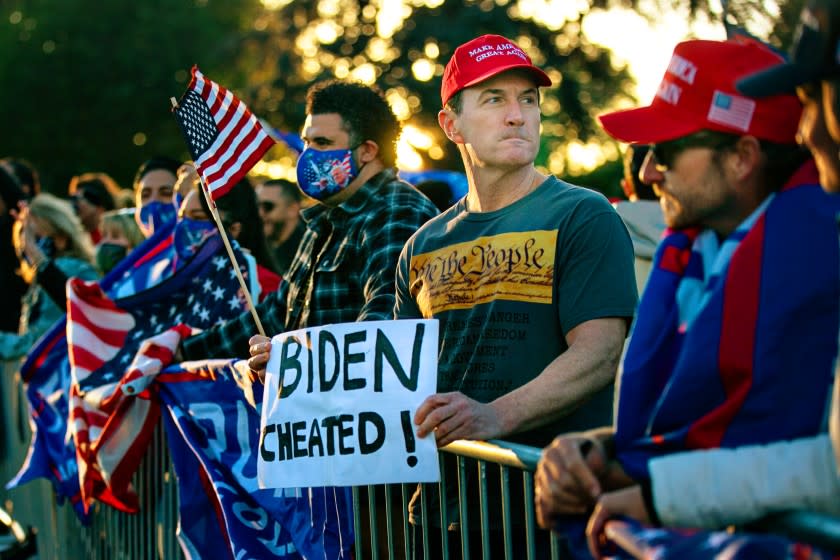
<point x="215" y="212"/>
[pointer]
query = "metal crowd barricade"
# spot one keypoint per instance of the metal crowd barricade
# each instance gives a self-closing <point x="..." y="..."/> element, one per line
<point x="112" y="535"/>
<point x="401" y="539"/>
<point x="380" y="512"/>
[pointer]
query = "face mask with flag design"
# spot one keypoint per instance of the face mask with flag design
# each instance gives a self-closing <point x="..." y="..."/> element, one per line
<point x="155" y="214"/>
<point x="189" y="234"/>
<point x="324" y="173"/>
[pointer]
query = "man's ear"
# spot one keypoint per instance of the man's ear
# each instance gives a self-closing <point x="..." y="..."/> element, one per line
<point x="747" y="157"/>
<point x="448" y="121"/>
<point x="234" y="229"/>
<point x="367" y="151"/>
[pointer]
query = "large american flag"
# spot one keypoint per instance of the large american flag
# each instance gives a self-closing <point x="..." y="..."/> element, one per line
<point x="225" y="139"/>
<point x="117" y="346"/>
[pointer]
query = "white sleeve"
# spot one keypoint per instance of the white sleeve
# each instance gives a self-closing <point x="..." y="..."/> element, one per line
<point x="719" y="487"/>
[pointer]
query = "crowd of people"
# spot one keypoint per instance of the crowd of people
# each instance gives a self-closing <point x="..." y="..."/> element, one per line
<point x="674" y="353"/>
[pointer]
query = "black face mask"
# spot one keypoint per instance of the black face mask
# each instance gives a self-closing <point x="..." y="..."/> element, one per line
<point x="108" y="255"/>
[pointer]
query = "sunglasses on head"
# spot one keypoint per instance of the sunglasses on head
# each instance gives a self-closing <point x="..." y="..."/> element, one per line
<point x="266" y="206"/>
<point x="665" y="153"/>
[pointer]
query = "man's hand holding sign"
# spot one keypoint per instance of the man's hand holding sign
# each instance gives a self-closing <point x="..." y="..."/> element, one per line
<point x="339" y="404"/>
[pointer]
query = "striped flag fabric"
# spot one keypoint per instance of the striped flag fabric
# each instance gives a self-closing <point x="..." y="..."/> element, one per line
<point x="225" y="139"/>
<point x="116" y="348"/>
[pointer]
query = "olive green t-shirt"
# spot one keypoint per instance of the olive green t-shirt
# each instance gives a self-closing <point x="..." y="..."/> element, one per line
<point x="507" y="286"/>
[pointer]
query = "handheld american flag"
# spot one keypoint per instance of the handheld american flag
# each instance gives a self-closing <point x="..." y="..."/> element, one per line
<point x="225" y="139"/>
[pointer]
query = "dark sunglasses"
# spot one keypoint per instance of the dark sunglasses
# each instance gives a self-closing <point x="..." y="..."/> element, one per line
<point x="665" y="153"/>
<point x="266" y="206"/>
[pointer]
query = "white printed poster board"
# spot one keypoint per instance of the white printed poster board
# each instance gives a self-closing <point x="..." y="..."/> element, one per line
<point x="339" y="402"/>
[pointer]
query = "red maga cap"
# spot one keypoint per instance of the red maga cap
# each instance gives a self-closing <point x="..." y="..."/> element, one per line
<point x="698" y="92"/>
<point x="483" y="58"/>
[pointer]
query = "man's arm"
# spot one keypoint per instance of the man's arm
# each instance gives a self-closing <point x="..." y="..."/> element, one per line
<point x="712" y="488"/>
<point x="589" y="363"/>
<point x="401" y="214"/>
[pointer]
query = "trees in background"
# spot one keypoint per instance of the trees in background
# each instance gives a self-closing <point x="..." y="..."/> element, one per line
<point x="86" y="84"/>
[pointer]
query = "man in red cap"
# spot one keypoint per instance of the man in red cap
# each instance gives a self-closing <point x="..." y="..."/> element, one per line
<point x="531" y="278"/>
<point x="744" y="288"/>
<point x="800" y="474"/>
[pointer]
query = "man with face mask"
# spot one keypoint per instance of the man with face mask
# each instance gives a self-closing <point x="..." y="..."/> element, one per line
<point x="344" y="270"/>
<point x="156" y="200"/>
<point x="345" y="266"/>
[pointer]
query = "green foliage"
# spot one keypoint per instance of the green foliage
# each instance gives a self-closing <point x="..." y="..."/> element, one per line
<point x="585" y="77"/>
<point x="86" y="84"/>
<point x="83" y="79"/>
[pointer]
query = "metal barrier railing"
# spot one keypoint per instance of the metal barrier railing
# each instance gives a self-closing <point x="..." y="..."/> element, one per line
<point x="112" y="535"/>
<point x="453" y="533"/>
<point x="383" y="527"/>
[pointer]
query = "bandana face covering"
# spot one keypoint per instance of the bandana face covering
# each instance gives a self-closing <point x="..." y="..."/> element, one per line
<point x="322" y="174"/>
<point x="189" y="234"/>
<point x="155" y="215"/>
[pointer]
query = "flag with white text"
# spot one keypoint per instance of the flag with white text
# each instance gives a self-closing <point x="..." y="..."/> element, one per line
<point x="212" y="424"/>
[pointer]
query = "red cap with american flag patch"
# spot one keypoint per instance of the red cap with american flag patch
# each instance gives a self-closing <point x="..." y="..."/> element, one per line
<point x="698" y="93"/>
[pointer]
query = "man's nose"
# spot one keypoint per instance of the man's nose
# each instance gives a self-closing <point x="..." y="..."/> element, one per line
<point x="514" y="115"/>
<point x="649" y="174"/>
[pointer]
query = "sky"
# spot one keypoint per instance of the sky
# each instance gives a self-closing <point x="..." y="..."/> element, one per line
<point x="645" y="47"/>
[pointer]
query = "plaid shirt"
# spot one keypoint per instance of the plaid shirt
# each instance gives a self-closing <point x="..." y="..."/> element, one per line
<point x="354" y="248"/>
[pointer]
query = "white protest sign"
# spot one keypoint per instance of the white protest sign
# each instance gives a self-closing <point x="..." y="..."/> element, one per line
<point x="339" y="403"/>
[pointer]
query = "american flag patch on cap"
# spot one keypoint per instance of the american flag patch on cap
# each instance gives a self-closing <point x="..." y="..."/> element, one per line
<point x="731" y="110"/>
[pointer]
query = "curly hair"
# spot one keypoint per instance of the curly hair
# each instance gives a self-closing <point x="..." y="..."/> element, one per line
<point x="364" y="111"/>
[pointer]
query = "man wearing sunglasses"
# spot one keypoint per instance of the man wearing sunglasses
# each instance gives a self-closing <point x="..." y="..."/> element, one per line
<point x="743" y="292"/>
<point x="280" y="203"/>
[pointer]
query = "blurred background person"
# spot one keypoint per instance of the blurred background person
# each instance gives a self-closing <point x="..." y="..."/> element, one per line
<point x="93" y="194"/>
<point x="279" y="205"/>
<point x="155" y="201"/>
<point x="26" y="174"/>
<point x="120" y="235"/>
<point x="640" y="213"/>
<point x="125" y="199"/>
<point x="12" y="286"/>
<point x="46" y="232"/>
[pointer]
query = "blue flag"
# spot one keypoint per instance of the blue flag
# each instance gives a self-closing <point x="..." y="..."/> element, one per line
<point x="629" y="539"/>
<point x="213" y="429"/>
<point x="734" y="345"/>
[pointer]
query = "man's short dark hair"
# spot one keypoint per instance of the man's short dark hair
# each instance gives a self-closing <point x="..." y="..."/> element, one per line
<point x="155" y="163"/>
<point x="364" y="111"/>
<point x="289" y="190"/>
<point x="456" y="102"/>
